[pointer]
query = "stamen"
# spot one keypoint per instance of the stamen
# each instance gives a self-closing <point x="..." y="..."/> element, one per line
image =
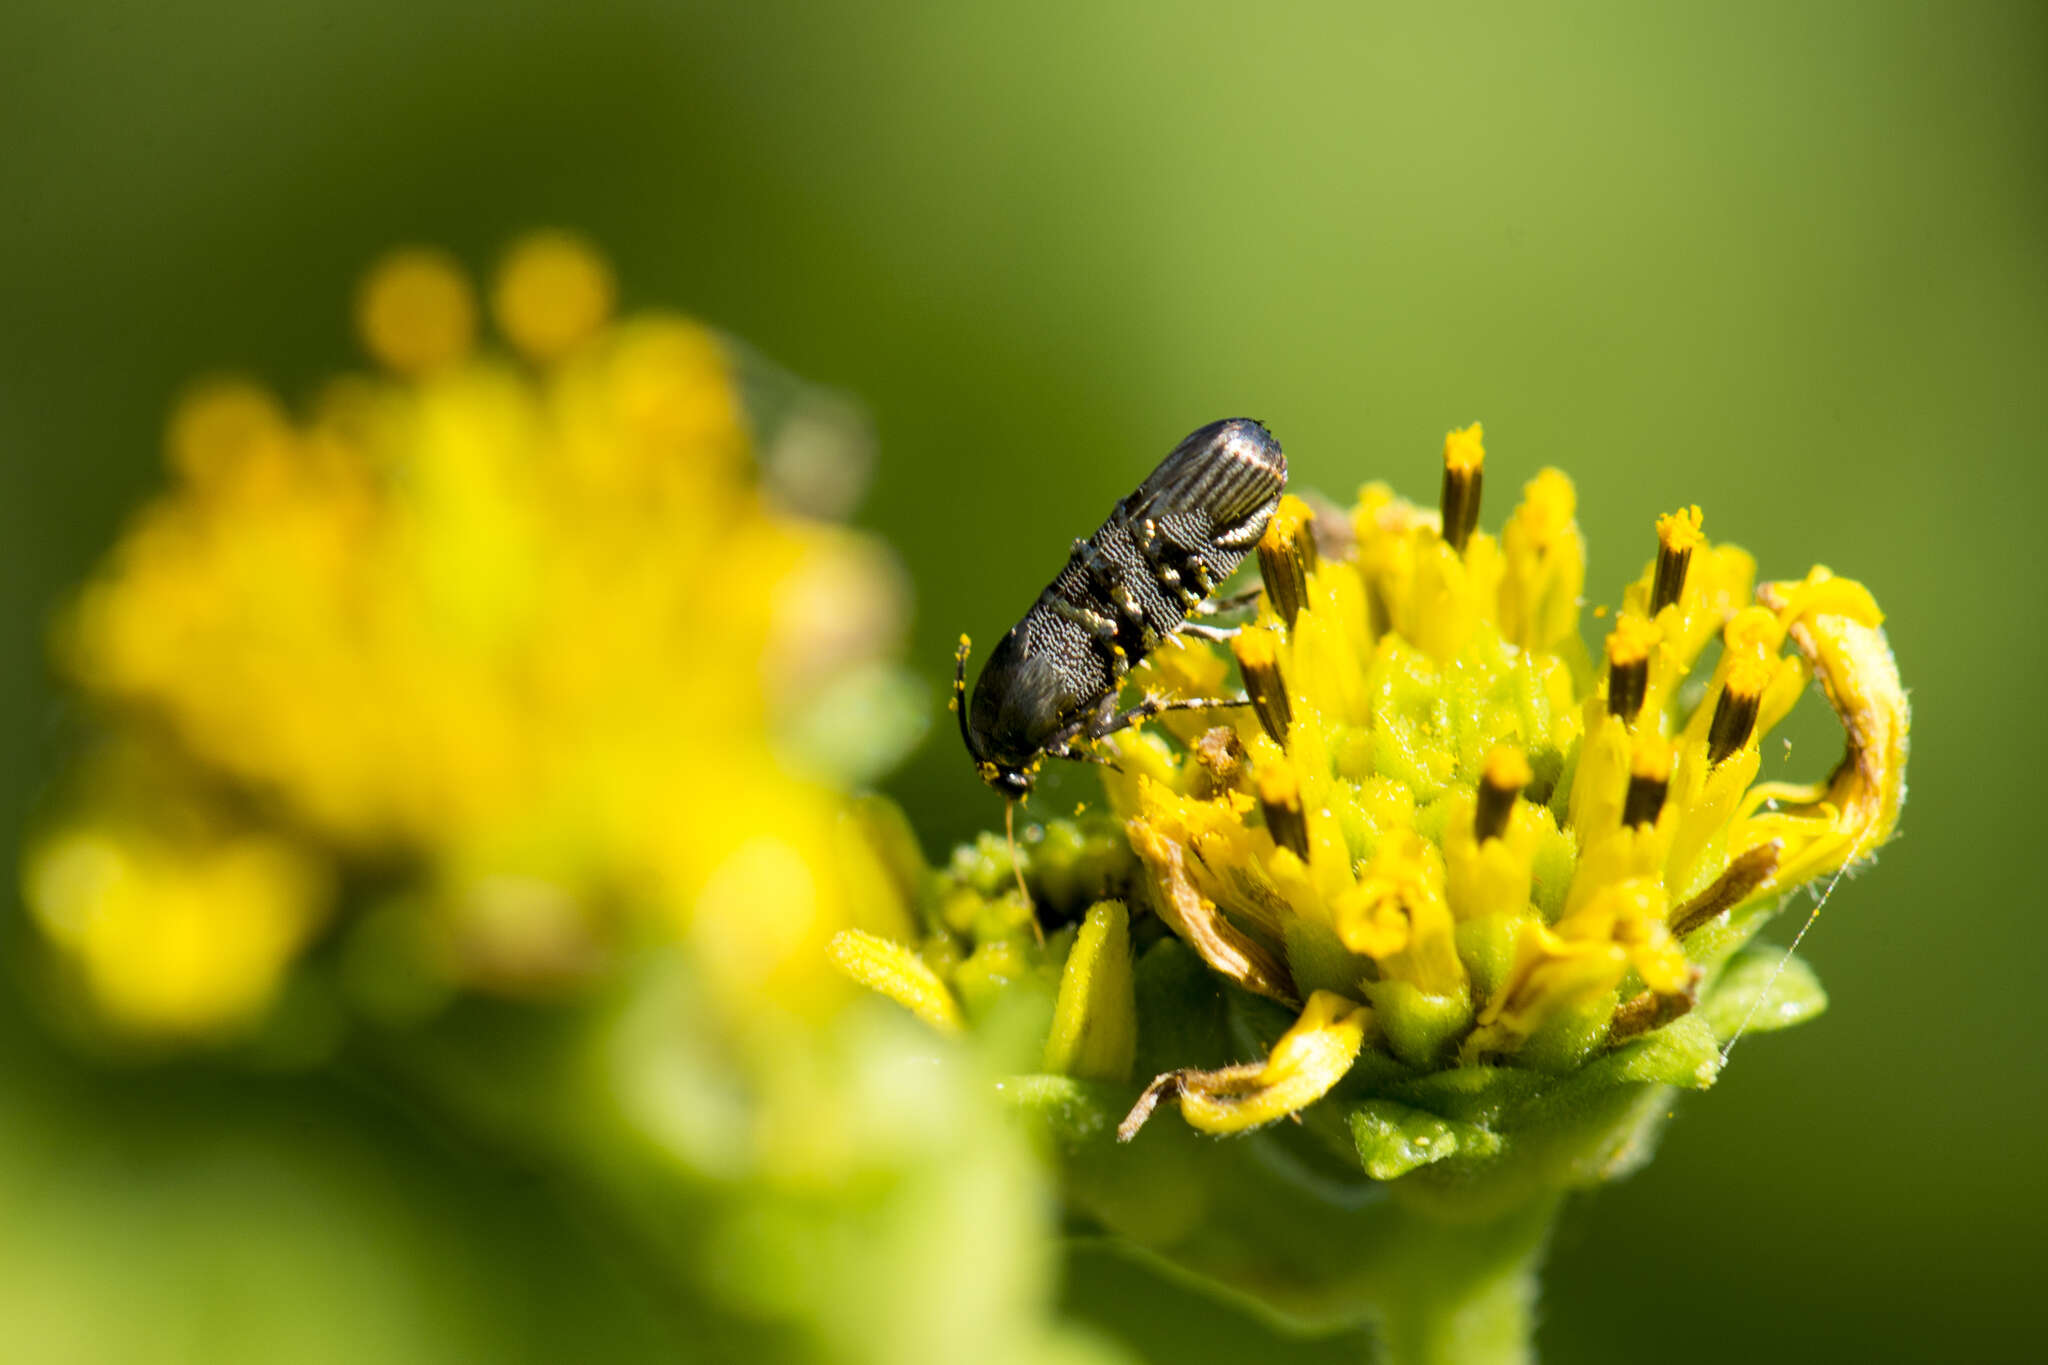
<point x="1506" y="774"/>
<point x="1649" y="778"/>
<point x="1464" y="458"/>
<point x="1648" y="1011"/>
<point x="1734" y="886"/>
<point x="1280" y="803"/>
<point x="1287" y="556"/>
<point x="1544" y="518"/>
<point x="1259" y="661"/>
<point x="1628" y="666"/>
<point x="1678" y="535"/>
<point x="1735" y="712"/>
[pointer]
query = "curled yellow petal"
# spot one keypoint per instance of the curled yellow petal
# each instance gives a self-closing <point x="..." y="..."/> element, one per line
<point x="1833" y="622"/>
<point x="1196" y="919"/>
<point x="895" y="970"/>
<point x="1304" y="1064"/>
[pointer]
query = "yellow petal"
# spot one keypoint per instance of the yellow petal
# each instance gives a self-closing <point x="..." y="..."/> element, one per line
<point x="1836" y="631"/>
<point x="1095" y="1021"/>
<point x="1545" y="565"/>
<point x="1308" y="1060"/>
<point x="1196" y="919"/>
<point x="895" y="970"/>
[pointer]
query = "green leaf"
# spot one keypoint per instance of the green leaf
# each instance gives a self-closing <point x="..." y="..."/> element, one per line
<point x="1182" y="1004"/>
<point x="1318" y="959"/>
<point x="1683" y="1053"/>
<point x="1487" y="947"/>
<point x="1419" y="1026"/>
<point x="1794" y="996"/>
<point x="1070" y="1112"/>
<point x="1393" y="1139"/>
<point x="1472" y="1094"/>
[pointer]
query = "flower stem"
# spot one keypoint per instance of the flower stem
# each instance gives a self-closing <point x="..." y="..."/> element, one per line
<point x="1466" y="1292"/>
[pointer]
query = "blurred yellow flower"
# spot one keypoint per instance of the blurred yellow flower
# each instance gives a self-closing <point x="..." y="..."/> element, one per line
<point x="521" y="631"/>
<point x="176" y="940"/>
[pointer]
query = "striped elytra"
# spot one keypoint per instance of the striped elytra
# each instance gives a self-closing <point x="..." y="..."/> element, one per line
<point x="1054" y="678"/>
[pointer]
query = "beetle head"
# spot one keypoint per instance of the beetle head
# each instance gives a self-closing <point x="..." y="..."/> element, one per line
<point x="1012" y="780"/>
<point x="1014" y="783"/>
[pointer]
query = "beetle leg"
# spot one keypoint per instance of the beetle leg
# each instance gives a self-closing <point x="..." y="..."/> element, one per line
<point x="1134" y="616"/>
<point x="1096" y="623"/>
<point x="1191" y="595"/>
<point x="1104" y="631"/>
<point x="1171" y="578"/>
<point x="1101" y="576"/>
<point x="1152" y="706"/>
<point x="1089" y="723"/>
<point x="1237" y="601"/>
<point x="1068" y="751"/>
<point x="1189" y="580"/>
<point x="1108" y="586"/>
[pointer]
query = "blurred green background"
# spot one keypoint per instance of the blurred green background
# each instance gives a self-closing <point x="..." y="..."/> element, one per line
<point x="1786" y="261"/>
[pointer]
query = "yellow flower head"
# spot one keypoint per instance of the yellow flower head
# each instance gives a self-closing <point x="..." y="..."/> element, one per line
<point x="524" y="628"/>
<point x="1452" y="818"/>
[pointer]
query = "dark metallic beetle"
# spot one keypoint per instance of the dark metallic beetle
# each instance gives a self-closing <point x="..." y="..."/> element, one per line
<point x="1054" y="678"/>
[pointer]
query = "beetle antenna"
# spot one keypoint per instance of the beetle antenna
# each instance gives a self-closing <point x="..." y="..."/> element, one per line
<point x="960" y="698"/>
<point x="1017" y="868"/>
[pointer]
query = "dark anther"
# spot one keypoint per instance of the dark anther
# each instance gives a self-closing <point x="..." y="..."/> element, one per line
<point x="1506" y="774"/>
<point x="1649" y="1010"/>
<point x="1734" y="718"/>
<point x="1677" y="536"/>
<point x="1645" y="800"/>
<point x="1461" y="501"/>
<point x="1280" y="803"/>
<point x="1744" y="876"/>
<point x="1628" y="666"/>
<point x="1627" y="680"/>
<point x="1287" y="556"/>
<point x="1649" y="778"/>
<point x="1259" y="661"/>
